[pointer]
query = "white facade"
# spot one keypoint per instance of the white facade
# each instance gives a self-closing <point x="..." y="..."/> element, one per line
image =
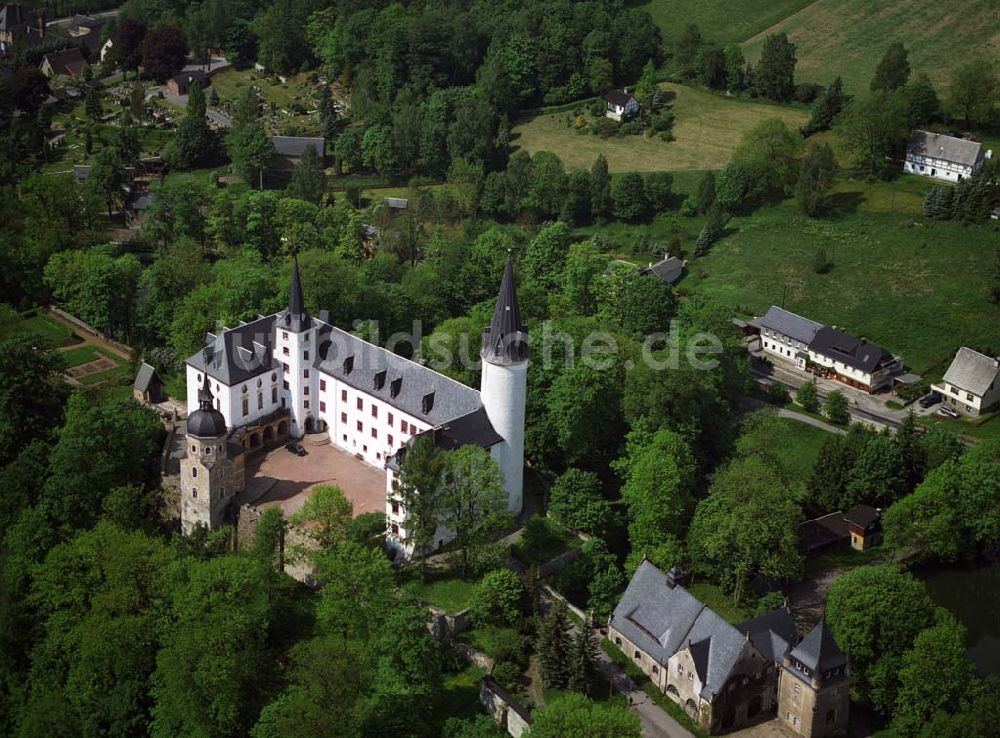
<point x="784" y="348"/>
<point x="504" y="390"/>
<point x="258" y="397"/>
<point x="946" y="171"/>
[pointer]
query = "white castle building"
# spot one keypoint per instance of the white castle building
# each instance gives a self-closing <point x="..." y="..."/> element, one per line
<point x="288" y="374"/>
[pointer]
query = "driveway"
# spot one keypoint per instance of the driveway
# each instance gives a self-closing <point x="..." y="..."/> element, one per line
<point x="279" y="478"/>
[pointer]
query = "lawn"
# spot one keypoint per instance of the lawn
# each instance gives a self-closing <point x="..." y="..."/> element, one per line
<point x="917" y="287"/>
<point x="53" y="333"/>
<point x="797" y="445"/>
<point x="848" y="37"/>
<point x="719" y="601"/>
<point x="459" y="696"/>
<point x="82" y="355"/>
<point x="451" y="595"/>
<point x="231" y="84"/>
<point x="718" y="20"/>
<point x="707" y="130"/>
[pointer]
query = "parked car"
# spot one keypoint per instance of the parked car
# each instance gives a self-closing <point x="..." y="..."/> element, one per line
<point x="931" y="398"/>
<point x="296" y="449"/>
<point x="949" y="411"/>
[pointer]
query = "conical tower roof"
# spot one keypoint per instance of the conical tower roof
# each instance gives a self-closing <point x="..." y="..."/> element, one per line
<point x="818" y="651"/>
<point x="505" y="340"/>
<point x="296" y="318"/>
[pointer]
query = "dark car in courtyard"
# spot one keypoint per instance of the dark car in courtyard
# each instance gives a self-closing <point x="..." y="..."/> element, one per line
<point x="296" y="449"/>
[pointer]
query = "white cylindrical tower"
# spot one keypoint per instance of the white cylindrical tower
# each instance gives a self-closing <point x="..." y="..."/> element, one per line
<point x="504" y="386"/>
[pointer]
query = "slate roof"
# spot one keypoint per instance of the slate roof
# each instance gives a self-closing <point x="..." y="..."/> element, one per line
<point x="669" y="269"/>
<point x="68" y="61"/>
<point x="295" y="318"/>
<point x="296" y="145"/>
<point x="662" y="620"/>
<point x="821" y="532"/>
<point x="473" y="429"/>
<point x="619" y="98"/>
<point x="972" y="371"/>
<point x="818" y="651"/>
<point x="505" y="340"/>
<point x="947" y="148"/>
<point x="862" y="515"/>
<point x="849" y="350"/>
<point x="188" y="78"/>
<point x="771" y="634"/>
<point x="206" y="421"/>
<point x="238" y="353"/>
<point x="144" y="377"/>
<point x="789" y="324"/>
<point x="396" y="203"/>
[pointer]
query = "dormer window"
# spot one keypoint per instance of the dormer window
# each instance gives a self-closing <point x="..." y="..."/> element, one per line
<point x="427" y="403"/>
<point x="379" y="380"/>
<point x="394" y="386"/>
<point x="348" y="365"/>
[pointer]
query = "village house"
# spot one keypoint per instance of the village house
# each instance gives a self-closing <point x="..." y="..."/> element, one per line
<point x="68" y="62"/>
<point x="288" y="374"/>
<point x="148" y="387"/>
<point x="972" y="383"/>
<point x="853" y="361"/>
<point x="288" y="150"/>
<point x="943" y="157"/>
<point x="620" y="105"/>
<point x="787" y="336"/>
<point x="860" y="527"/>
<point x="727" y="676"/>
<point x="669" y="269"/>
<point x="181" y="84"/>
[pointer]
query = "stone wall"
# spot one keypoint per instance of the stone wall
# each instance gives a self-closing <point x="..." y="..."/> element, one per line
<point x="508" y="712"/>
<point x="445" y="626"/>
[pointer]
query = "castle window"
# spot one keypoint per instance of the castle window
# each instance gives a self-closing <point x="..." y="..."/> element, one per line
<point x="194" y="448"/>
<point x="305" y="373"/>
<point x="285" y="352"/>
<point x="343" y="395"/>
<point x="390" y="420"/>
<point x="284" y="368"/>
<point x="285" y="384"/>
<point x="284" y="335"/>
<point x="305" y="404"/>
<point x="655" y="671"/>
<point x="194" y="492"/>
<point x="194" y="471"/>
<point x="360" y="427"/>
<point x="274" y="377"/>
<point x="638" y="656"/>
<point x="260" y="400"/>
<point x="390" y="439"/>
<point x="374" y="432"/>
<point x="343" y="417"/>
<point x="404" y="426"/>
<point x="365" y="449"/>
<point x="618" y="641"/>
<point x="199" y="378"/>
<point x="305" y="391"/>
<point x="394" y="530"/>
<point x="243" y="389"/>
<point x="374" y="411"/>
<point x="378" y="456"/>
<point x="360" y="404"/>
<point x="246" y="406"/>
<point x="395" y="507"/>
<point x="322" y="406"/>
<point x="322" y="385"/>
<point x="305" y="356"/>
<point x="274" y="394"/>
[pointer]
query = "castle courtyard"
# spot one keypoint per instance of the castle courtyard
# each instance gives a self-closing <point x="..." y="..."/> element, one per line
<point x="279" y="478"/>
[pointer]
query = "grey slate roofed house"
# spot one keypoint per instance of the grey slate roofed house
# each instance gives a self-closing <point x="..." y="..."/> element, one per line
<point x="851" y="351"/>
<point x="669" y="269"/>
<point x="295" y="146"/>
<point x="818" y="653"/>
<point x="772" y="634"/>
<point x="789" y="324"/>
<point x="619" y="98"/>
<point x="972" y="371"/>
<point x="943" y="147"/>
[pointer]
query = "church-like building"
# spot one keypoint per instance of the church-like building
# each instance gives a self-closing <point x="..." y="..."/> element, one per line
<point x="284" y="375"/>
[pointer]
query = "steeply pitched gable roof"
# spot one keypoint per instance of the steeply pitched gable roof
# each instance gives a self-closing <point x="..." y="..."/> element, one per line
<point x="790" y="324"/>
<point x="947" y="148"/>
<point x="144" y="377"/>
<point x="669" y="269"/>
<point x="68" y="61"/>
<point x="772" y="634"/>
<point x="619" y="98"/>
<point x="972" y="371"/>
<point x="849" y="350"/>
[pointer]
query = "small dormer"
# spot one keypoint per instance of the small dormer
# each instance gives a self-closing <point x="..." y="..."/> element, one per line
<point x="395" y="386"/>
<point x="349" y="364"/>
<point x="427" y="403"/>
<point x="378" y="381"/>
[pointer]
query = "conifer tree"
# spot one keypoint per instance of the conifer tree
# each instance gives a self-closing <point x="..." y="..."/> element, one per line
<point x="995" y="281"/>
<point x="931" y="202"/>
<point x="826" y="108"/>
<point x="945" y="203"/>
<point x="705" y="196"/>
<point x="583" y="660"/>
<point x="600" y="189"/>
<point x="308" y="178"/>
<point x="711" y="231"/>
<point x="554" y="646"/>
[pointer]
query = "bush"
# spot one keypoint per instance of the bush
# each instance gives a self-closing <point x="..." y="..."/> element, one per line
<point x="777" y="393"/>
<point x="835" y="408"/>
<point x="806" y="396"/>
<point x="807" y="92"/>
<point x="507" y="675"/>
<point x="631" y="128"/>
<point x="497" y="599"/>
<point x="769" y="603"/>
<point x="512" y="649"/>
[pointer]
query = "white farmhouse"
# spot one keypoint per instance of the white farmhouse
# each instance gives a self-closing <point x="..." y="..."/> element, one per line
<point x="288" y="374"/>
<point x="972" y="383"/>
<point x="620" y="105"/>
<point x="943" y="157"/>
<point x="787" y="336"/>
<point x="853" y="361"/>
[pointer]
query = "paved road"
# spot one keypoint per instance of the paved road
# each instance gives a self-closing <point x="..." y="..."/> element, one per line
<point x="220" y="119"/>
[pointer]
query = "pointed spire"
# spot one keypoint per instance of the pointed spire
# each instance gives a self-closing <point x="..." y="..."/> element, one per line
<point x="205" y="396"/>
<point x="296" y="318"/>
<point x="505" y="341"/>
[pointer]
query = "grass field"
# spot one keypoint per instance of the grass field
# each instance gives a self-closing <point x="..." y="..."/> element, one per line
<point x="54" y="334"/>
<point x="82" y="355"/>
<point x="451" y="595"/>
<point x="718" y="20"/>
<point x="847" y="37"/>
<point x="707" y="130"/>
<point x="797" y="446"/>
<point x="917" y="287"/>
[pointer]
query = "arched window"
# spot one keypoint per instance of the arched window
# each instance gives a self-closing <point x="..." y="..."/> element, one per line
<point x="194" y="471"/>
<point x="194" y="492"/>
